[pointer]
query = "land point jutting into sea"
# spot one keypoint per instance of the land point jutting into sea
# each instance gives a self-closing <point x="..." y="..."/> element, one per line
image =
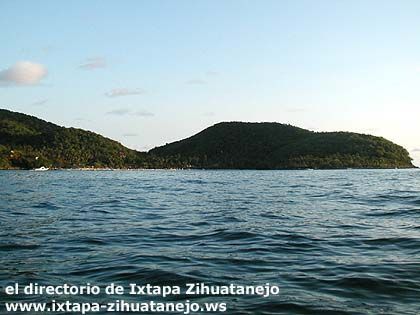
<point x="27" y="142"/>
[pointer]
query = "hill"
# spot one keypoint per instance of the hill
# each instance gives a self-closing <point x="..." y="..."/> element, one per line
<point x="28" y="142"/>
<point x="278" y="146"/>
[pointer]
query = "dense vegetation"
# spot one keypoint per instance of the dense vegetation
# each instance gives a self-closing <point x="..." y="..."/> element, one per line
<point x="277" y="146"/>
<point x="28" y="142"/>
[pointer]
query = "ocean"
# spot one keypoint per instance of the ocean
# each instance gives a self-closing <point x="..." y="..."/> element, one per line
<point x="333" y="241"/>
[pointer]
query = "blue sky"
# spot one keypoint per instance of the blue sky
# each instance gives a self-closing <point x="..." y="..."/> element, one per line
<point x="150" y="72"/>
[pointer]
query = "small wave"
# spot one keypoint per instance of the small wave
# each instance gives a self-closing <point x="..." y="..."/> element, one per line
<point x="46" y="205"/>
<point x="403" y="242"/>
<point x="392" y="213"/>
<point x="229" y="236"/>
<point x="16" y="246"/>
<point x="194" y="181"/>
<point x="371" y="285"/>
<point x="140" y="275"/>
<point x="289" y="307"/>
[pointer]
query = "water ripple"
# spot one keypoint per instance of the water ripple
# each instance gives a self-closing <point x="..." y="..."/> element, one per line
<point x="336" y="242"/>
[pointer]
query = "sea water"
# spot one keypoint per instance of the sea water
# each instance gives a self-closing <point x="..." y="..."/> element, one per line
<point x="334" y="242"/>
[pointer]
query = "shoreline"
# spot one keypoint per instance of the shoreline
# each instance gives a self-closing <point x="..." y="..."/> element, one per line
<point x="211" y="169"/>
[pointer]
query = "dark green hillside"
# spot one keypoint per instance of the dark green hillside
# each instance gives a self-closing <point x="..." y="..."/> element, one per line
<point x="233" y="145"/>
<point x="28" y="142"/>
<point x="278" y="146"/>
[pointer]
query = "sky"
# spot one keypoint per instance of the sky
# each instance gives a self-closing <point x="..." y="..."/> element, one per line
<point x="147" y="73"/>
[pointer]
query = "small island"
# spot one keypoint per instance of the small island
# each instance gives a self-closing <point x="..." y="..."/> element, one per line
<point x="27" y="142"/>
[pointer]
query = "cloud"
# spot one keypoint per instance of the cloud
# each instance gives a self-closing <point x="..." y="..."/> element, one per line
<point x="23" y="73"/>
<point x="126" y="111"/>
<point x="212" y="73"/>
<point x="93" y="63"/>
<point x="209" y="114"/>
<point x="196" y="82"/>
<point x="143" y="113"/>
<point x="124" y="92"/>
<point x="119" y="112"/>
<point x="40" y="102"/>
<point x="415" y="150"/>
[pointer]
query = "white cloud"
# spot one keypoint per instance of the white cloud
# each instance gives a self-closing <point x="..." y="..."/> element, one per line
<point x="212" y="73"/>
<point x="40" y="102"/>
<point x="415" y="150"/>
<point x="126" y="111"/>
<point x="143" y="113"/>
<point x="196" y="82"/>
<point x="124" y="92"/>
<point x="23" y="73"/>
<point x="119" y="112"/>
<point x="93" y="63"/>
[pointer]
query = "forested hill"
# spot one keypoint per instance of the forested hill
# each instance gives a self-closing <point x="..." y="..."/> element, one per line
<point x="278" y="146"/>
<point x="28" y="142"/>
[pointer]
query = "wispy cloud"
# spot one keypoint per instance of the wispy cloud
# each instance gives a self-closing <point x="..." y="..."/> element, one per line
<point x="209" y="114"/>
<point x="415" y="150"/>
<point x="126" y="111"/>
<point x="196" y="82"/>
<point x="119" y="112"/>
<point x="40" y="102"/>
<point x="93" y="63"/>
<point x="124" y="92"/>
<point x="143" y="113"/>
<point x="23" y="73"/>
<point x="212" y="73"/>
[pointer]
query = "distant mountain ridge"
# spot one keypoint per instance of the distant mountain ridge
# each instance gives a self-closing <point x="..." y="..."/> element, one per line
<point x="27" y="142"/>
